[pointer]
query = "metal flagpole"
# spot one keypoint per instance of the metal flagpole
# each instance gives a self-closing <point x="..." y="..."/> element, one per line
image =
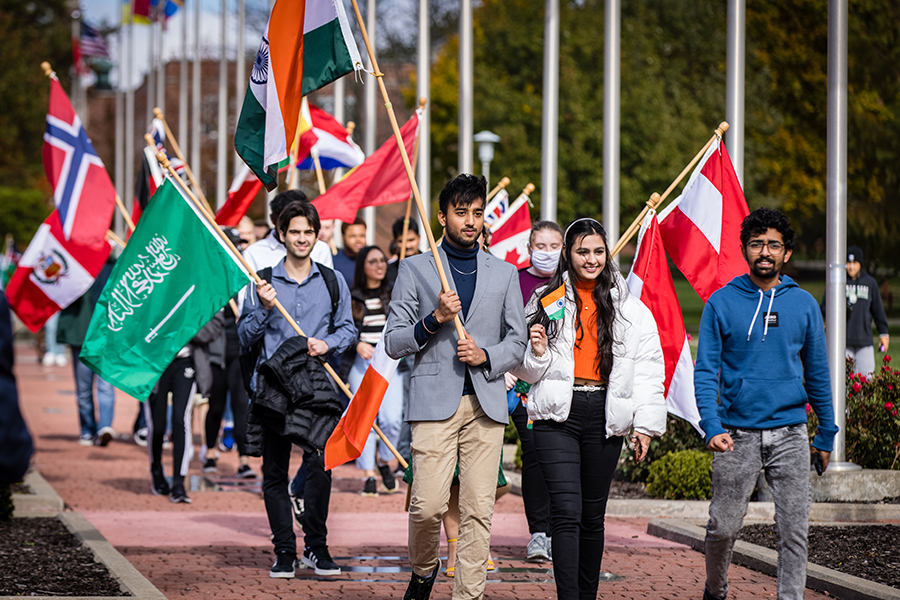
<point x="161" y="60"/>
<point x="371" y="136"/>
<point x="466" y="94"/>
<point x="611" y="117"/>
<point x="836" y="223"/>
<point x="151" y="71"/>
<point x="183" y="127"/>
<point x="240" y="68"/>
<point x="550" y="111"/>
<point x="76" y="74"/>
<point x="338" y="89"/>
<point x="734" y="84"/>
<point x="423" y="90"/>
<point x="119" y="226"/>
<point x="128" y="82"/>
<point x="197" y="95"/>
<point x="222" y="140"/>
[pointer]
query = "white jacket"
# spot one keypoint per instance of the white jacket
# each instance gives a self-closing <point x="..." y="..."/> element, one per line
<point x="635" y="393"/>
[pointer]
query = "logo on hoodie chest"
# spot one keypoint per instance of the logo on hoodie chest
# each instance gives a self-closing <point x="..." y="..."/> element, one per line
<point x="771" y="319"/>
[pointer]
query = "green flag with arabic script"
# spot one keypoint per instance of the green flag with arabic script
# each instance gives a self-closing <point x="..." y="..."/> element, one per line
<point x="172" y="278"/>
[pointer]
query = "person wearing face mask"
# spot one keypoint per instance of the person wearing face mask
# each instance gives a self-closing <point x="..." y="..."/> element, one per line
<point x="596" y="365"/>
<point x="544" y="246"/>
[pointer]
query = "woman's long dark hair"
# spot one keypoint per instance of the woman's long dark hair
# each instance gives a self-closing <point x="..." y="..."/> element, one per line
<point x="361" y="284"/>
<point x="606" y="310"/>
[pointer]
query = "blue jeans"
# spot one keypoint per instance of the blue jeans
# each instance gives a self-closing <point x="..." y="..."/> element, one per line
<point x="50" y="343"/>
<point x="84" y="391"/>
<point x="783" y="454"/>
<point x="389" y="418"/>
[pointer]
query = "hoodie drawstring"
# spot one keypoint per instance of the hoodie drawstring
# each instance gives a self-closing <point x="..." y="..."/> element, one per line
<point x="756" y="314"/>
<point x="768" y="312"/>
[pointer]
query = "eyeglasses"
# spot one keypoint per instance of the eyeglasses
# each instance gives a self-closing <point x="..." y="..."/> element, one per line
<point x="376" y="261"/>
<point x="757" y="246"/>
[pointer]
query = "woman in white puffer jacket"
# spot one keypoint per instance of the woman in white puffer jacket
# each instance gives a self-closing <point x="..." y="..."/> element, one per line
<point x="596" y="365"/>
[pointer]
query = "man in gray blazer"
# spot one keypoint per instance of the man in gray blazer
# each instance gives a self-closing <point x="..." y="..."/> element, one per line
<point x="457" y="393"/>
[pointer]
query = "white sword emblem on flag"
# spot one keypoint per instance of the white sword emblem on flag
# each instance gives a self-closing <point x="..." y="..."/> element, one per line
<point x="153" y="332"/>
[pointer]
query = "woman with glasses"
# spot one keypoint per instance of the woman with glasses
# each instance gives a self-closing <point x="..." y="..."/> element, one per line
<point x="596" y="365"/>
<point x="370" y="297"/>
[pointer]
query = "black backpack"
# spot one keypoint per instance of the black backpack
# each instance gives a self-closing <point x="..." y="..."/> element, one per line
<point x="250" y="356"/>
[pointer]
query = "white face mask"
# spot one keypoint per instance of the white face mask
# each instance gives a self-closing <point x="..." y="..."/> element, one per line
<point x="545" y="262"/>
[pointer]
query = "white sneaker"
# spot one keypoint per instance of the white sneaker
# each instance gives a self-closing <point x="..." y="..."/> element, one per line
<point x="61" y="360"/>
<point x="538" y="548"/>
<point x="86" y="440"/>
<point x="140" y="437"/>
<point x="49" y="359"/>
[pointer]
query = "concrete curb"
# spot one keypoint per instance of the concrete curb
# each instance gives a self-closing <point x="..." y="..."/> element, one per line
<point x="756" y="511"/>
<point x="839" y="585"/>
<point x="44" y="501"/>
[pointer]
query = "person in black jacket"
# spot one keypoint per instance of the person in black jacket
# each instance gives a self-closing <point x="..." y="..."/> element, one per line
<point x="15" y="441"/>
<point x="863" y="306"/>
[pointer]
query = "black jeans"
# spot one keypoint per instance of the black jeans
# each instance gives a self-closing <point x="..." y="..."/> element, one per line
<point x="534" y="488"/>
<point x="276" y="453"/>
<point x="178" y="378"/>
<point x="224" y="381"/>
<point x="578" y="462"/>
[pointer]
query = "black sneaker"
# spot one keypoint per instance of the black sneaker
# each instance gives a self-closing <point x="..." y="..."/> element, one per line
<point x="320" y="560"/>
<point x="370" y="488"/>
<point x="708" y="596"/>
<point x="284" y="566"/>
<point x="420" y="587"/>
<point x="160" y="486"/>
<point x="209" y="465"/>
<point x="245" y="472"/>
<point x="389" y="484"/>
<point x="179" y="496"/>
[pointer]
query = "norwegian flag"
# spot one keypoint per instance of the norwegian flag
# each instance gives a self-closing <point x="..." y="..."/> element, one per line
<point x="496" y="208"/>
<point x="510" y="232"/>
<point x="82" y="191"/>
<point x="701" y="228"/>
<point x="651" y="282"/>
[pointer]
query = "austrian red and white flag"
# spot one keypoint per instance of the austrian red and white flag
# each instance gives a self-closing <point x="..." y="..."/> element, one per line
<point x="243" y="191"/>
<point x="349" y="437"/>
<point x="651" y="282"/>
<point x="82" y="191"/>
<point x="701" y="228"/>
<point x="52" y="273"/>
<point x="510" y="232"/>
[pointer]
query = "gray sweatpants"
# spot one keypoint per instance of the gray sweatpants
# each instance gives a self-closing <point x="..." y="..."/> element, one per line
<point x="784" y="455"/>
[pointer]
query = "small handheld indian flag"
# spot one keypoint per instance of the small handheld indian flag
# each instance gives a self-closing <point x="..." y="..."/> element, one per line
<point x="554" y="303"/>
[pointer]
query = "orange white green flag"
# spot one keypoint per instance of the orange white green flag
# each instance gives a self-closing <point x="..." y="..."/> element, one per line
<point x="307" y="44"/>
<point x="554" y="303"/>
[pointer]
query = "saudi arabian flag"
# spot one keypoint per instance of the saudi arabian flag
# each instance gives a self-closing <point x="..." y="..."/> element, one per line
<point x="172" y="278"/>
<point x="554" y="303"/>
<point x="307" y="45"/>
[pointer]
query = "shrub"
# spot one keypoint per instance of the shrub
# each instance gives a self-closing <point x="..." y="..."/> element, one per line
<point x="683" y="475"/>
<point x="680" y="435"/>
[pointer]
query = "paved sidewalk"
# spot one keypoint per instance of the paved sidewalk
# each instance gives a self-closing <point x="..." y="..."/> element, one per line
<point x="218" y="547"/>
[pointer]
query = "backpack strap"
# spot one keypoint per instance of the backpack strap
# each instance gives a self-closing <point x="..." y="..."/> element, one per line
<point x="334" y="291"/>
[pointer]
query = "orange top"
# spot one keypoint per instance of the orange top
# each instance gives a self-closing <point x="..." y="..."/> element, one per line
<point x="586" y="338"/>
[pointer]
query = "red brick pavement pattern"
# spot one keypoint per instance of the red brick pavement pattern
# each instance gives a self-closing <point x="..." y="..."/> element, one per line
<point x="116" y="479"/>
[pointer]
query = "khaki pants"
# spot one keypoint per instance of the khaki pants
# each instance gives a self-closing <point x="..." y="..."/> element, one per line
<point x="475" y="439"/>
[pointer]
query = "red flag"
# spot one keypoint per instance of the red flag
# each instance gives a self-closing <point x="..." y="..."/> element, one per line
<point x="381" y="179"/>
<point x="349" y="437"/>
<point x="333" y="143"/>
<point x="510" y="233"/>
<point x="82" y="191"/>
<point x="701" y="228"/>
<point x="243" y="191"/>
<point x="651" y="282"/>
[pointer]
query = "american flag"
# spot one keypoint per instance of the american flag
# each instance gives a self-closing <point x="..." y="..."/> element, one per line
<point x="92" y="42"/>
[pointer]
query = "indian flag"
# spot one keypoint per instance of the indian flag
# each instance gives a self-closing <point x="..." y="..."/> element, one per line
<point x="307" y="44"/>
<point x="554" y="303"/>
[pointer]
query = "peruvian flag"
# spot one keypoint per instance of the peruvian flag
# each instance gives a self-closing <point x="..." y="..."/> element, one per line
<point x="510" y="232"/>
<point x="52" y="273"/>
<point x="651" y="282"/>
<point x="82" y="191"/>
<point x="241" y="194"/>
<point x="701" y="228"/>
<point x="349" y="437"/>
<point x="380" y="179"/>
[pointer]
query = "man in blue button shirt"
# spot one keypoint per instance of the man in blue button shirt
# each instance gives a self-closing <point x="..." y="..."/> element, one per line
<point x="299" y="285"/>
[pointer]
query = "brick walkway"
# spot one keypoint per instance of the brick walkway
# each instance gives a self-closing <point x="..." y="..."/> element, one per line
<point x="218" y="547"/>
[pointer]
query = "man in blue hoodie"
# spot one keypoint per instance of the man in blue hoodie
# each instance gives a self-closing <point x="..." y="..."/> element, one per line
<point x="761" y="360"/>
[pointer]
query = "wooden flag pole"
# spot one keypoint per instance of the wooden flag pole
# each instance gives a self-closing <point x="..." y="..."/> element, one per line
<point x="112" y="237"/>
<point x="655" y="199"/>
<point x="406" y="164"/>
<point x="167" y="166"/>
<point x="187" y="168"/>
<point x="422" y="101"/>
<point x="503" y="183"/>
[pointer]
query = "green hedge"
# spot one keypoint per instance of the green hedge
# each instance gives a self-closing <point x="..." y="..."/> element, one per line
<point x="684" y="475"/>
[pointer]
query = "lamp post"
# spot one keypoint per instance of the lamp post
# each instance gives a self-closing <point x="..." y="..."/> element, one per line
<point x="486" y="140"/>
